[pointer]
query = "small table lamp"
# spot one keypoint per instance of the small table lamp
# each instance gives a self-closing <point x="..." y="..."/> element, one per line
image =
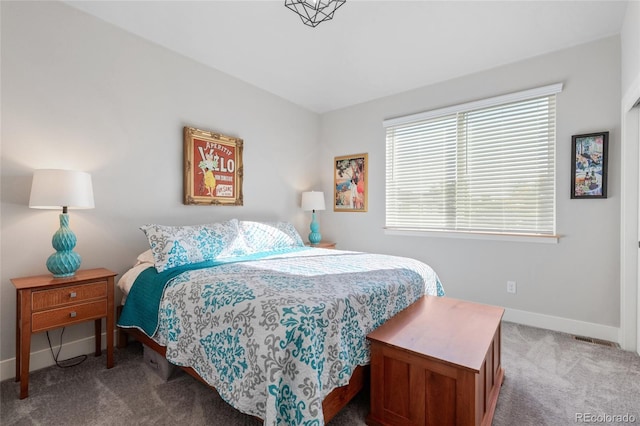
<point x="313" y="201"/>
<point x="52" y="189"/>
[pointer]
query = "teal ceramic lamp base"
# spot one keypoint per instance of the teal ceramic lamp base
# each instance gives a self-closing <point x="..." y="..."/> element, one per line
<point x="64" y="262"/>
<point x="314" y="236"/>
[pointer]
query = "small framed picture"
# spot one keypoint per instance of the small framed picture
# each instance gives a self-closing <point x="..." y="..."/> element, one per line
<point x="350" y="183"/>
<point x="589" y="165"/>
<point x="212" y="168"/>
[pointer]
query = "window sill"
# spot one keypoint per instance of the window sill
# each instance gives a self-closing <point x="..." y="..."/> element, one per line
<point x="520" y="238"/>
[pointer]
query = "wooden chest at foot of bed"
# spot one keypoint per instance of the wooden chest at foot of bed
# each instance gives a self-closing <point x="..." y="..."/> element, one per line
<point x="437" y="363"/>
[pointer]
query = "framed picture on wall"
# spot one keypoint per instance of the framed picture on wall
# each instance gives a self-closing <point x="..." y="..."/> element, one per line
<point x="350" y="183"/>
<point x="212" y="168"/>
<point x="589" y="165"/>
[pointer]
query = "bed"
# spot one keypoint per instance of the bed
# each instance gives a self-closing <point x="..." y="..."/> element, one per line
<point x="277" y="328"/>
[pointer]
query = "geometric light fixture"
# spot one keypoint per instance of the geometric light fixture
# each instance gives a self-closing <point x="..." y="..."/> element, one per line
<point x="54" y="189"/>
<point x="312" y="201"/>
<point x="313" y="12"/>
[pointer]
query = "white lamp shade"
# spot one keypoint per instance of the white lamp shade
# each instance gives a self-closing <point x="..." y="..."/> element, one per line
<point x="52" y="189"/>
<point x="313" y="200"/>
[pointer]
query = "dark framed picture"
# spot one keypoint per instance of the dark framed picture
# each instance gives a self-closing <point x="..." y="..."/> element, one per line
<point x="350" y="183"/>
<point x="212" y="168"/>
<point x="589" y="165"/>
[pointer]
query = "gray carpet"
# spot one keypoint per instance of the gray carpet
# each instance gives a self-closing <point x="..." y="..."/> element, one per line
<point x="550" y="379"/>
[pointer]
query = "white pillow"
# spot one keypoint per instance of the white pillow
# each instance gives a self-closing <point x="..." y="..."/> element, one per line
<point x="146" y="257"/>
<point x="269" y="236"/>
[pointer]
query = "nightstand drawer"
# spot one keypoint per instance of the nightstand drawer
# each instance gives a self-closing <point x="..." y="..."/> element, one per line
<point x="54" y="318"/>
<point x="46" y="299"/>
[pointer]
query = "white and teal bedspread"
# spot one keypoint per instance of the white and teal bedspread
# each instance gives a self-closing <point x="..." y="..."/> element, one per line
<point x="275" y="335"/>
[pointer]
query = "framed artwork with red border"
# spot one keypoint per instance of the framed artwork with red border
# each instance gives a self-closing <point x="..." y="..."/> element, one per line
<point x="212" y="168"/>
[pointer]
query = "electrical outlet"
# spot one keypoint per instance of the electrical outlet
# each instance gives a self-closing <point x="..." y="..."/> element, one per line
<point x="511" y="287"/>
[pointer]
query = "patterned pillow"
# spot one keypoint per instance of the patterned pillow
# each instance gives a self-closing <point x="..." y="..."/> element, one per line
<point x="174" y="246"/>
<point x="269" y="236"/>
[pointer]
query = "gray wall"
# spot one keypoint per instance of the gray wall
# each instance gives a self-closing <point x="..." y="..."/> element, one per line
<point x="576" y="279"/>
<point x="630" y="40"/>
<point x="78" y="93"/>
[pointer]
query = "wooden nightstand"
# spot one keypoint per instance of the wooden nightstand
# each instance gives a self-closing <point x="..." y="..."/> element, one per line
<point x="322" y="244"/>
<point x="45" y="303"/>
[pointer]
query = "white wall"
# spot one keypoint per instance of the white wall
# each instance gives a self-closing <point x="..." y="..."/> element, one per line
<point x="78" y="93"/>
<point x="574" y="285"/>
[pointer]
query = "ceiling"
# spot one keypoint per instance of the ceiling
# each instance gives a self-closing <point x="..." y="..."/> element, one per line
<point x="369" y="50"/>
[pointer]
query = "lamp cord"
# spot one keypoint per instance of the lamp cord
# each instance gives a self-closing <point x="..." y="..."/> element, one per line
<point x="55" y="356"/>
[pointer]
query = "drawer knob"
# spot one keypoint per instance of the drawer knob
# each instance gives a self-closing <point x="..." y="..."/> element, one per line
<point x="72" y="294"/>
<point x="72" y="314"/>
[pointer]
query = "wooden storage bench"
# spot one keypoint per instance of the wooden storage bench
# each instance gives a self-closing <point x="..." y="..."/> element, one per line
<point x="437" y="363"/>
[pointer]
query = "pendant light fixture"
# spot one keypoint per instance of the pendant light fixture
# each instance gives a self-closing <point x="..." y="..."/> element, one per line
<point x="313" y="12"/>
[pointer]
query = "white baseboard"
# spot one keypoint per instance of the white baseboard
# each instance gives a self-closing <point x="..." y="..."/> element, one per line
<point x="43" y="358"/>
<point x="564" y="325"/>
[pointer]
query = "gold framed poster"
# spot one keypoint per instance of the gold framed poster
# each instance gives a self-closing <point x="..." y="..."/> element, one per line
<point x="212" y="168"/>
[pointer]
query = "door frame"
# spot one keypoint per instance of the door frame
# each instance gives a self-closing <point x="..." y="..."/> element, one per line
<point x="629" y="337"/>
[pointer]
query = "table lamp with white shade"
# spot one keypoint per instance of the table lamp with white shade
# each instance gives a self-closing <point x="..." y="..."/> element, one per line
<point x="312" y="201"/>
<point x="54" y="189"/>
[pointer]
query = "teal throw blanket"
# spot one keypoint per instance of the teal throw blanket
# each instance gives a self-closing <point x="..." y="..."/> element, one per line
<point x="142" y="306"/>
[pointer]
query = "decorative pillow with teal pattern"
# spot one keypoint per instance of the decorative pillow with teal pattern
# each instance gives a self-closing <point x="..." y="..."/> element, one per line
<point x="174" y="246"/>
<point x="269" y="236"/>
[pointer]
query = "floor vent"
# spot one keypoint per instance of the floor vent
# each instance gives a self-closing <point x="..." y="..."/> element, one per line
<point x="596" y="341"/>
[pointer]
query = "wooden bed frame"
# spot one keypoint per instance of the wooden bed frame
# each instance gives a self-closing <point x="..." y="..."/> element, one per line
<point x="332" y="404"/>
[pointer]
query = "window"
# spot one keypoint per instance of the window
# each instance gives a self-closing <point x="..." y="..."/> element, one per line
<point x="485" y="166"/>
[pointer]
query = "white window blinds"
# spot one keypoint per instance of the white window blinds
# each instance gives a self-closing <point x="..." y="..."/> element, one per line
<point x="486" y="166"/>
